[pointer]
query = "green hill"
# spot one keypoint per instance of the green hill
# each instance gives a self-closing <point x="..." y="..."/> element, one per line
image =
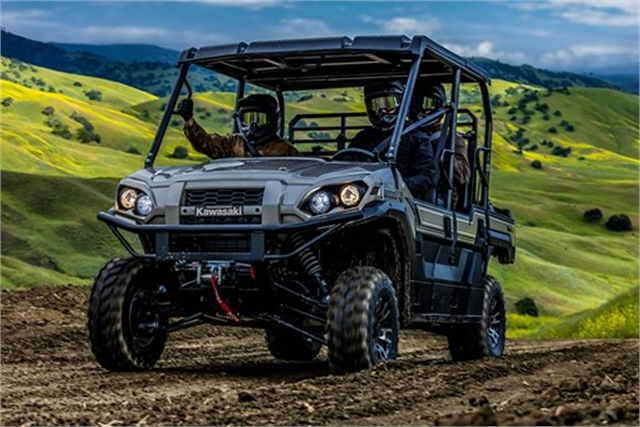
<point x="153" y="77"/>
<point x="52" y="187"/>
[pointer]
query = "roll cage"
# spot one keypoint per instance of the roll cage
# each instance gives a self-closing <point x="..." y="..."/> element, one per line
<point x="341" y="62"/>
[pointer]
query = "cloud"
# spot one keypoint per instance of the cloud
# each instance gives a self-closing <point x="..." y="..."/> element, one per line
<point x="299" y="28"/>
<point x="589" y="56"/>
<point x="426" y="25"/>
<point x="249" y="4"/>
<point x="599" y="18"/>
<point x="603" y="13"/>
<point x="486" y="49"/>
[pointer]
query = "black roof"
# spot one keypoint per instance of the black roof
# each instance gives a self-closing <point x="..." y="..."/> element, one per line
<point x="305" y="64"/>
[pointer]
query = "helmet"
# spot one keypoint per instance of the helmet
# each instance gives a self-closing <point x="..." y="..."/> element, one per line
<point x="427" y="99"/>
<point x="258" y="116"/>
<point x="383" y="101"/>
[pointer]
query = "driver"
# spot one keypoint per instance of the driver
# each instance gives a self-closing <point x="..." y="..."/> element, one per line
<point x="415" y="160"/>
<point x="258" y="116"/>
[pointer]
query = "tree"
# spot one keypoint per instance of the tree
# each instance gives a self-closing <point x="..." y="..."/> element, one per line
<point x="536" y="164"/>
<point x="48" y="111"/>
<point x="552" y="130"/>
<point x="527" y="306"/>
<point x="180" y="152"/>
<point x="592" y="215"/>
<point x="620" y="222"/>
<point x="7" y="102"/>
<point x="557" y="113"/>
<point x="94" y="95"/>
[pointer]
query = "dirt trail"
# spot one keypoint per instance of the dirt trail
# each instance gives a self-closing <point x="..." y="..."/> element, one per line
<point x="213" y="375"/>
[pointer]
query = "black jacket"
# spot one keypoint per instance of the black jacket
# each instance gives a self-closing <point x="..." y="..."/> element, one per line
<point x="415" y="160"/>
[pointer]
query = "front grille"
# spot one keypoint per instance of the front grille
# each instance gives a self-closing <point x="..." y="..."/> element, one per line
<point x="236" y="243"/>
<point x="224" y="197"/>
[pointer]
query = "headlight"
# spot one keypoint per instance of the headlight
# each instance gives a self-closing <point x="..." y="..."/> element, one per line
<point x="144" y="205"/>
<point x="128" y="198"/>
<point x="350" y="195"/>
<point x="320" y="203"/>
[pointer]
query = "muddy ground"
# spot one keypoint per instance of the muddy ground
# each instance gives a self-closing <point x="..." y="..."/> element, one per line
<point x="222" y="376"/>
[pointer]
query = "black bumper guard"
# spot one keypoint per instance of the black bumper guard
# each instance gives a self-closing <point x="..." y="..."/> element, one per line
<point x="256" y="233"/>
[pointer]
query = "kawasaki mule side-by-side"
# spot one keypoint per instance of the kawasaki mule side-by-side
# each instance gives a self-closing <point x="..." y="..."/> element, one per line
<point x="328" y="247"/>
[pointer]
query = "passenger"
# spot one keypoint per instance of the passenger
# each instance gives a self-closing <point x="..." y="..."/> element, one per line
<point x="414" y="160"/>
<point x="258" y="117"/>
<point x="427" y="100"/>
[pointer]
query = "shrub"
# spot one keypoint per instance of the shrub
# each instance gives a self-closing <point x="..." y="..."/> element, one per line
<point x="133" y="150"/>
<point x="512" y="110"/>
<point x="581" y="158"/>
<point x="180" y="152"/>
<point x="620" y="222"/>
<point x="7" y="102"/>
<point x="570" y="128"/>
<point x="86" y="136"/>
<point x="534" y="147"/>
<point x="536" y="164"/>
<point x="82" y="120"/>
<point x="557" y="113"/>
<point x="48" y="111"/>
<point x="513" y="118"/>
<point x="558" y="150"/>
<point x="592" y="215"/>
<point x="77" y="84"/>
<point x="175" y="122"/>
<point x="545" y="116"/>
<point x="305" y="98"/>
<point x="527" y="306"/>
<point x="62" y="131"/>
<point x="94" y="95"/>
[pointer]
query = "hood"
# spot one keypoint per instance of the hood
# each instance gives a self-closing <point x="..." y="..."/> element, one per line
<point x="295" y="170"/>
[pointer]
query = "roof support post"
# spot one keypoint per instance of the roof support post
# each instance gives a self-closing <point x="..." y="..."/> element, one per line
<point x="166" y="116"/>
<point x="451" y="145"/>
<point x="239" y="96"/>
<point x="404" y="109"/>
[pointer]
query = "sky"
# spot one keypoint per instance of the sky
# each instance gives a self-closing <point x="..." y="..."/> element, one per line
<point x="551" y="34"/>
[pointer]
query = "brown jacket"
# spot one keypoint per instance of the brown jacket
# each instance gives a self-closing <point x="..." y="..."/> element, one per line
<point x="233" y="145"/>
<point x="461" y="166"/>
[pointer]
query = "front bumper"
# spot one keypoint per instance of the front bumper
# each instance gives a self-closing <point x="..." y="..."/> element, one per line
<point x="250" y="239"/>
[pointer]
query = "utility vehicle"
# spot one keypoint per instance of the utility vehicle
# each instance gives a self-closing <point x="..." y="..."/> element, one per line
<point x="250" y="241"/>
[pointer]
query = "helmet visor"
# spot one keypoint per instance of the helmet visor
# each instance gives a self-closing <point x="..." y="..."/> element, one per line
<point x="387" y="103"/>
<point x="254" y="118"/>
<point x="430" y="103"/>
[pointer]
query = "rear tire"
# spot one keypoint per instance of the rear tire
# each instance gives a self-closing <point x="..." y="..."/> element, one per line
<point x="125" y="329"/>
<point x="287" y="344"/>
<point x="488" y="338"/>
<point x="362" y="321"/>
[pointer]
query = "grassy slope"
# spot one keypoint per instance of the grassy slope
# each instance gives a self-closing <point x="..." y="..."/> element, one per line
<point x="566" y="265"/>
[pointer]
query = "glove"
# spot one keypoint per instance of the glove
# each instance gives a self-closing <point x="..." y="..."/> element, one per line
<point x="185" y="109"/>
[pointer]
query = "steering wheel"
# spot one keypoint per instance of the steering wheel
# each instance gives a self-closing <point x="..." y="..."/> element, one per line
<point x="355" y="155"/>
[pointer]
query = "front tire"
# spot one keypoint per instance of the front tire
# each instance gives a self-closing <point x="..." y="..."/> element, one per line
<point x="362" y="321"/>
<point x="125" y="328"/>
<point x="488" y="338"/>
<point x="287" y="344"/>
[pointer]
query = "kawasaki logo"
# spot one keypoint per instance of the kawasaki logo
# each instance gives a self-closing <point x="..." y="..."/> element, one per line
<point x="202" y="211"/>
